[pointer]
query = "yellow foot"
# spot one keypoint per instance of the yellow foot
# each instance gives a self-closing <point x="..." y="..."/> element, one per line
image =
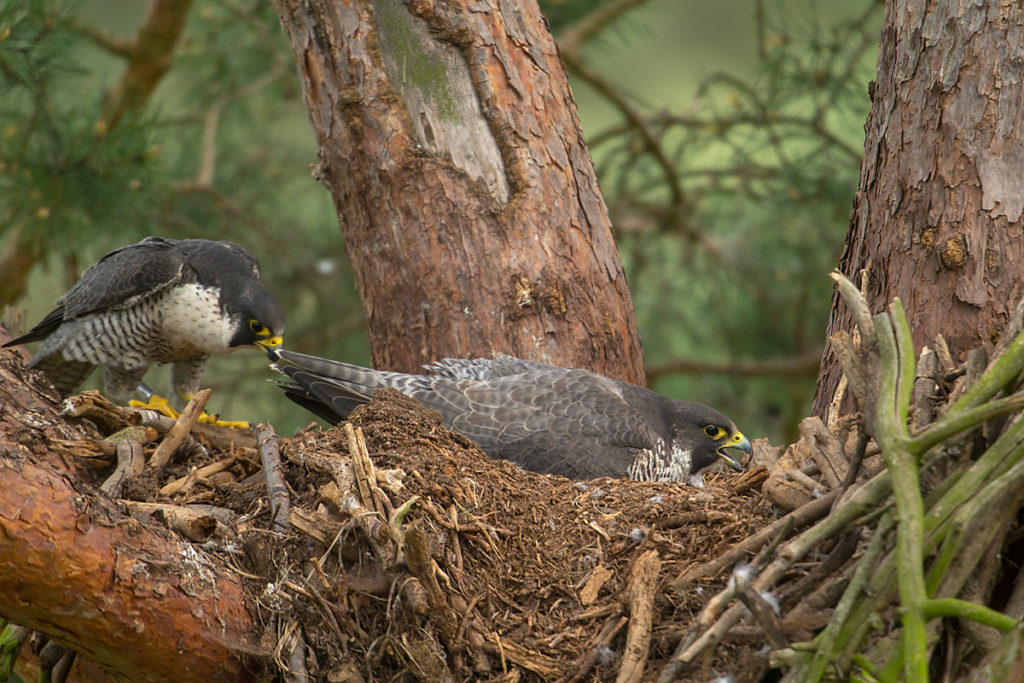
<point x="158" y="403"/>
<point x="217" y="422"/>
<point x="163" y="406"/>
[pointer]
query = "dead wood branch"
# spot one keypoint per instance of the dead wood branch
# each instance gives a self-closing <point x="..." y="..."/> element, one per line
<point x="83" y="546"/>
<point x="643" y="581"/>
<point x="277" y="490"/>
<point x="169" y="446"/>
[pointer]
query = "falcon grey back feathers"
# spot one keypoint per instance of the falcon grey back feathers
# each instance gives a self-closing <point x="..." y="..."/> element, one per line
<point x="570" y="422"/>
<point x="162" y="301"/>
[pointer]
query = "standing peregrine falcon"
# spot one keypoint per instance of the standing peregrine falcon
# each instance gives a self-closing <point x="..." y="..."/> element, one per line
<point x="574" y="423"/>
<point x="158" y="301"/>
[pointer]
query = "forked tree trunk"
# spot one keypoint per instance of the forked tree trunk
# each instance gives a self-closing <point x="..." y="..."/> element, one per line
<point x="937" y="218"/>
<point x="451" y="145"/>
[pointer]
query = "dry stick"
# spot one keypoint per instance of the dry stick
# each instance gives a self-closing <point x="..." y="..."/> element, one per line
<point x="366" y="477"/>
<point x="163" y="453"/>
<point x="193" y="524"/>
<point x="213" y="468"/>
<point x="864" y="498"/>
<point x="643" y="582"/>
<point x="610" y="630"/>
<point x="63" y="668"/>
<point x="762" y="612"/>
<point x="803" y="515"/>
<point x="110" y="418"/>
<point x="924" y="389"/>
<point x="277" y="490"/>
<point x="855" y="463"/>
<point x="297" y="672"/>
<point x="825" y="451"/>
<point x="130" y="463"/>
<point x="798" y="477"/>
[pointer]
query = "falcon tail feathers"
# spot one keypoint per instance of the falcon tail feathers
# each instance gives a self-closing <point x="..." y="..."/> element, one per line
<point x="43" y="328"/>
<point x="303" y="398"/>
<point x="320" y="394"/>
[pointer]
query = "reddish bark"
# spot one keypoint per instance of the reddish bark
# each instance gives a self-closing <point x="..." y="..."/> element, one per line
<point x="451" y="144"/>
<point x="937" y="218"/>
<point x="128" y="594"/>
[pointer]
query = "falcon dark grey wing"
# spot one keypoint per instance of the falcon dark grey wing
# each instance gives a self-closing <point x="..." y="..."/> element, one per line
<point x="564" y="421"/>
<point x="157" y="301"/>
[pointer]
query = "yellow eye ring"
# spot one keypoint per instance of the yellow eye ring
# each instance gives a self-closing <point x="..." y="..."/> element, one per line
<point x="714" y="431"/>
<point x="258" y="328"/>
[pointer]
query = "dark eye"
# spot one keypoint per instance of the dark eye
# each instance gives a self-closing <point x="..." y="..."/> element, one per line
<point x="714" y="432"/>
<point x="257" y="327"/>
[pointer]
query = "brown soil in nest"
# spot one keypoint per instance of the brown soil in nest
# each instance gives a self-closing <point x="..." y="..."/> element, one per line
<point x="492" y="572"/>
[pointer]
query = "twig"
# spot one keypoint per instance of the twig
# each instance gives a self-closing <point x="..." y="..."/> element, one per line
<point x="163" y="453"/>
<point x="803" y="515"/>
<point x="763" y="613"/>
<point x="297" y="672"/>
<point x="362" y="466"/>
<point x="192" y="524"/>
<point x="643" y="580"/>
<point x="825" y="451"/>
<point x="150" y="59"/>
<point x="277" y="490"/>
<point x="130" y="463"/>
<point x="11" y="640"/>
<point x="213" y="468"/>
<point x="608" y="632"/>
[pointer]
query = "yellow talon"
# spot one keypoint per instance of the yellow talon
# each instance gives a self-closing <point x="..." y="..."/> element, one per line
<point x="157" y="403"/>
<point x="215" y="420"/>
<point x="163" y="406"/>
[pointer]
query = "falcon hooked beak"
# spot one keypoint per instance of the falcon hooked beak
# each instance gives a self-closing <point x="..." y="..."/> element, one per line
<point x="265" y="337"/>
<point x="737" y="440"/>
<point x="270" y="344"/>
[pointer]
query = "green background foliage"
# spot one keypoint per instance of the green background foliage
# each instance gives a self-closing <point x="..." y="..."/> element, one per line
<point x="727" y="138"/>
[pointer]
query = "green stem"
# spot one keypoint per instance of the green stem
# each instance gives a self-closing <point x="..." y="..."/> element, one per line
<point x="963" y="609"/>
<point x="829" y="638"/>
<point x="998" y="375"/>
<point x="907" y="363"/>
<point x="994" y="462"/>
<point x="956" y="421"/>
<point x="891" y="434"/>
<point x="867" y="666"/>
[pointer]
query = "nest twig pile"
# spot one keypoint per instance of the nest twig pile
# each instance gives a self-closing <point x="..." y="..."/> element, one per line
<point x="879" y="547"/>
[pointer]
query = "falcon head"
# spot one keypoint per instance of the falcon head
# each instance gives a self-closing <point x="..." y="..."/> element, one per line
<point x="708" y="436"/>
<point x="696" y="437"/>
<point x="256" y="319"/>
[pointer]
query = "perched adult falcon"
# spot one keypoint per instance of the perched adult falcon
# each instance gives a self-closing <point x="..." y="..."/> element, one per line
<point x="570" y="422"/>
<point x="157" y="301"/>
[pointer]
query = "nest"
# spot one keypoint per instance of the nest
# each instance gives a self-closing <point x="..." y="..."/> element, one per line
<point x="390" y="548"/>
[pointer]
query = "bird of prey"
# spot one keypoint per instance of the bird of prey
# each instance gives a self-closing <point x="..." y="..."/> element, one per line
<point x="544" y="418"/>
<point x="157" y="301"/>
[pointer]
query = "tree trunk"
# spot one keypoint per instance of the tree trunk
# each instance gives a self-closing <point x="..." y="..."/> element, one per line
<point x="937" y="217"/>
<point x="451" y="145"/>
<point x="132" y="597"/>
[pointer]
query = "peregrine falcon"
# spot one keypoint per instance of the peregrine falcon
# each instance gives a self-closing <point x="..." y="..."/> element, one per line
<point x="157" y="301"/>
<point x="569" y="422"/>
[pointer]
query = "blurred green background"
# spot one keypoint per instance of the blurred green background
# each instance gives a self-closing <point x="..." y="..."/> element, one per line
<point x="727" y="138"/>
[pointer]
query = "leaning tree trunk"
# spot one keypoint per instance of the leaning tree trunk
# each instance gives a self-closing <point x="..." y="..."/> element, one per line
<point x="937" y="218"/>
<point x="451" y="145"/>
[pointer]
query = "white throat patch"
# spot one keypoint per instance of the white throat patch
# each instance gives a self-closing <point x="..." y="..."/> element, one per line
<point x="651" y="465"/>
<point x="192" y="321"/>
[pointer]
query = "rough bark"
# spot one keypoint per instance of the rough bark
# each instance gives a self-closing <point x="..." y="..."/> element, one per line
<point x="129" y="595"/>
<point x="450" y="142"/>
<point x="937" y="217"/>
